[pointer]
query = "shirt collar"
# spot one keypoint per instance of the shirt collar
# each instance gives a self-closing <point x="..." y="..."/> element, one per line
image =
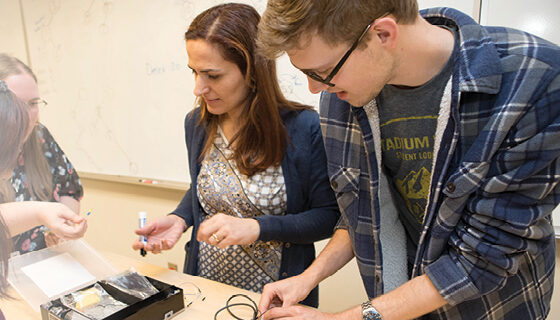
<point x="478" y="60"/>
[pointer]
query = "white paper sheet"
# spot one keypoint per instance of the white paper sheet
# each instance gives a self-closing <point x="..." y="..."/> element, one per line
<point x="57" y="274"/>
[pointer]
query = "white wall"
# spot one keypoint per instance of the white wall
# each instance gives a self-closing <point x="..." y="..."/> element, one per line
<point x="541" y="17"/>
<point x="12" y="35"/>
<point x="470" y="7"/>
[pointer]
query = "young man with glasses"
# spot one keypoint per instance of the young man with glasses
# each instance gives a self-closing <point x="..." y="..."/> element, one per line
<point x="442" y="146"/>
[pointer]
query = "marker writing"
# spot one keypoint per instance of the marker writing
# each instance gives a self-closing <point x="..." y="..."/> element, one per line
<point x="142" y="224"/>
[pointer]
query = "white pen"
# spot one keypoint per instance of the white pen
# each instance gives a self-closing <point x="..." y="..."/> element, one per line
<point x="142" y="224"/>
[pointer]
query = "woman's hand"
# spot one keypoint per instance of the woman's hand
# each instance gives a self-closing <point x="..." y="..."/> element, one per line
<point x="51" y="239"/>
<point x="161" y="234"/>
<point x="223" y="230"/>
<point x="62" y="221"/>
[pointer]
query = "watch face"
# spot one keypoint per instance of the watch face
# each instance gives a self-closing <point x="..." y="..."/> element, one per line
<point x="370" y="315"/>
<point x="369" y="312"/>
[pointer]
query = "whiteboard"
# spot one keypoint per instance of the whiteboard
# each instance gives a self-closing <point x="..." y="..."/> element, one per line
<point x="114" y="74"/>
<point x="11" y="29"/>
<point x="541" y="18"/>
<point x="470" y="7"/>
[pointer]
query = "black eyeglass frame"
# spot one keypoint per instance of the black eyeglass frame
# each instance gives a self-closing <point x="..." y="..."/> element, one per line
<point x="327" y="80"/>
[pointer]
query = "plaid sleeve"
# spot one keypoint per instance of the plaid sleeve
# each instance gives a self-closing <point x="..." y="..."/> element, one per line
<point x="341" y="224"/>
<point x="503" y="207"/>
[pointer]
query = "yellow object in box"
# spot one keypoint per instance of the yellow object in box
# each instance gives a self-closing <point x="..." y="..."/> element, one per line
<point x="87" y="298"/>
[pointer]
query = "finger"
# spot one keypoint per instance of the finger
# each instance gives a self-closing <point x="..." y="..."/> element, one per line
<point x="266" y="298"/>
<point x="205" y="231"/>
<point x="66" y="231"/>
<point x="280" y="313"/>
<point x="148" y="246"/>
<point x="224" y="242"/>
<point x="145" y="231"/>
<point x="221" y="239"/>
<point x="167" y="244"/>
<point x="77" y="219"/>
<point x="71" y="231"/>
<point x="137" y="245"/>
<point x="161" y="246"/>
<point x="82" y="227"/>
<point x="212" y="236"/>
<point x="51" y="239"/>
<point x="156" y="248"/>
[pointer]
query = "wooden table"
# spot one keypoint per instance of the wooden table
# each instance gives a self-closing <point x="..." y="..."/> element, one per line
<point x="215" y="293"/>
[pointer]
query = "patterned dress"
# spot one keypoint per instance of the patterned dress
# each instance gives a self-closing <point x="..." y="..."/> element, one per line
<point x="65" y="183"/>
<point x="221" y="188"/>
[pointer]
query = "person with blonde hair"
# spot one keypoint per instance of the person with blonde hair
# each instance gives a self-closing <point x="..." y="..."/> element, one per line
<point x="42" y="172"/>
<point x="442" y="147"/>
<point x="16" y="217"/>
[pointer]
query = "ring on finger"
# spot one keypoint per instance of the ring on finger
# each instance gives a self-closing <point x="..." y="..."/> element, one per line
<point x="216" y="238"/>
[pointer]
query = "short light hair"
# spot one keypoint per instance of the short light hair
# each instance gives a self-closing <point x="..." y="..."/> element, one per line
<point x="285" y="22"/>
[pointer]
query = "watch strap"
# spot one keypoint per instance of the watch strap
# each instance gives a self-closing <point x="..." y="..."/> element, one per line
<point x="369" y="312"/>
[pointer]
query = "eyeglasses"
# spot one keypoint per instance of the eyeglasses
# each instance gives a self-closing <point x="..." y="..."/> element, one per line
<point x="327" y="80"/>
<point x="35" y="103"/>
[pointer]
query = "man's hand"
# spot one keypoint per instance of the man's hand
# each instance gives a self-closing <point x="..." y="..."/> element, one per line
<point x="297" y="313"/>
<point x="285" y="293"/>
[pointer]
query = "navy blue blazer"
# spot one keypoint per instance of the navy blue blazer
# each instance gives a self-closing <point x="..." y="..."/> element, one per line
<point x="312" y="210"/>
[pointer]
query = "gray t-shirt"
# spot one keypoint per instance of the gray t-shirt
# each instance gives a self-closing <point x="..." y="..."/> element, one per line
<point x="408" y="120"/>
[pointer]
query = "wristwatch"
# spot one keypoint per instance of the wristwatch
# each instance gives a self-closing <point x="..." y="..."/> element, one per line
<point x="369" y="312"/>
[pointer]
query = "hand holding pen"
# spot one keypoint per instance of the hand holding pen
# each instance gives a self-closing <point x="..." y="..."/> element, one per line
<point x="160" y="234"/>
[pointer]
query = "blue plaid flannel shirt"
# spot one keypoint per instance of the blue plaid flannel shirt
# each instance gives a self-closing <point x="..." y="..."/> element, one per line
<point x="487" y="242"/>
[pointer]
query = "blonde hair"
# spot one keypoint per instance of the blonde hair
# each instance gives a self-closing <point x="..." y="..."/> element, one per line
<point x="36" y="168"/>
<point x="285" y="23"/>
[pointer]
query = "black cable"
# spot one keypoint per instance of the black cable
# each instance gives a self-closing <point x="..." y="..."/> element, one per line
<point x="252" y="306"/>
